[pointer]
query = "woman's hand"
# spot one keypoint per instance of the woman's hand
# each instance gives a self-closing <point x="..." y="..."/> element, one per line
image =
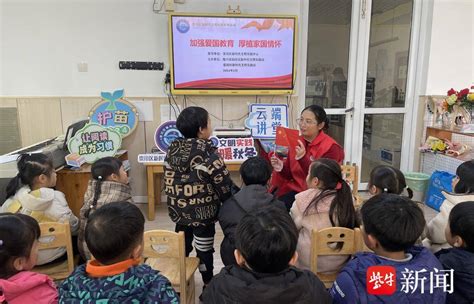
<point x="277" y="163"/>
<point x="300" y="150"/>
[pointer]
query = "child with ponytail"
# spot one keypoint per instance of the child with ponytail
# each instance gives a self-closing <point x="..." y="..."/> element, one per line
<point x="32" y="192"/>
<point x="109" y="184"/>
<point x="387" y="179"/>
<point x="328" y="202"/>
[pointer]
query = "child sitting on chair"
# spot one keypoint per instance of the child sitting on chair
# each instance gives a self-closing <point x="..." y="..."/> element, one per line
<point x="109" y="183"/>
<point x="255" y="173"/>
<point x="391" y="224"/>
<point x="32" y="192"/>
<point x="463" y="188"/>
<point x="266" y="252"/>
<point x="327" y="203"/>
<point x="19" y="235"/>
<point x="114" y="236"/>
<point x="460" y="258"/>
<point x="387" y="179"/>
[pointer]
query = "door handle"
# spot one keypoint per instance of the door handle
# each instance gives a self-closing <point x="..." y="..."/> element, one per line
<point x="349" y="110"/>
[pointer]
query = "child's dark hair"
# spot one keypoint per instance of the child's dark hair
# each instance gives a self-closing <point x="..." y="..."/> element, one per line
<point x="190" y="120"/>
<point x="255" y="171"/>
<point x="389" y="180"/>
<point x="319" y="113"/>
<point x="29" y="166"/>
<point x="461" y="223"/>
<point x="465" y="172"/>
<point x="395" y="221"/>
<point x="18" y="233"/>
<point x="100" y="171"/>
<point x="341" y="212"/>
<point x="113" y="230"/>
<point x="266" y="238"/>
<point x="402" y="183"/>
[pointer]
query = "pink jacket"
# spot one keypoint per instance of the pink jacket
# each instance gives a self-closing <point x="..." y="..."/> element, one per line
<point x="28" y="287"/>
<point x="313" y="221"/>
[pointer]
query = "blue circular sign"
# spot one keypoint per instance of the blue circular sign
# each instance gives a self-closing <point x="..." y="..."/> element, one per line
<point x="183" y="26"/>
<point x="165" y="134"/>
<point x="214" y="140"/>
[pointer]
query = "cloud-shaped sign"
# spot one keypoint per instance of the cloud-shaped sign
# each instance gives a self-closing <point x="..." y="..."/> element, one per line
<point x="94" y="141"/>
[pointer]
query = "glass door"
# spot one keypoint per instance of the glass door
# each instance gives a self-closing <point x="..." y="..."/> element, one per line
<point x="327" y="64"/>
<point x="357" y="69"/>
<point x="382" y="117"/>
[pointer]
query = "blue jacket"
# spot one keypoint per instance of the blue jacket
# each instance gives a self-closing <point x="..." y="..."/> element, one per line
<point x="462" y="262"/>
<point x="139" y="284"/>
<point x="350" y="285"/>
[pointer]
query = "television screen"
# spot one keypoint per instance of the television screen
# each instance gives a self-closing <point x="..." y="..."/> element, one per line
<point x="232" y="54"/>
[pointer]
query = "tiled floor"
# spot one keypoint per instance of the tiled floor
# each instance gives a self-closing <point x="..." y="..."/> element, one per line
<point x="162" y="221"/>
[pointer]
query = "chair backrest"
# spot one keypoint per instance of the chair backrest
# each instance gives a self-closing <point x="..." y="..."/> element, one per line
<point x="322" y="243"/>
<point x="166" y="244"/>
<point x="350" y="173"/>
<point x="55" y="235"/>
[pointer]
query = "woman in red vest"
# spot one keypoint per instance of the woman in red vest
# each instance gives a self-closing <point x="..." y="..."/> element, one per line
<point x="289" y="175"/>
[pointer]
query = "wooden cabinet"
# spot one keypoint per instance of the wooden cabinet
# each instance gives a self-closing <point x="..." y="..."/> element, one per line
<point x="73" y="183"/>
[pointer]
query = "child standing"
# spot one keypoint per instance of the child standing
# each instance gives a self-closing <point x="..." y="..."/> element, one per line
<point x="463" y="186"/>
<point x="109" y="183"/>
<point x="114" y="236"/>
<point x="31" y="192"/>
<point x="19" y="235"/>
<point x="255" y="173"/>
<point x="460" y="258"/>
<point x="266" y="253"/>
<point x="391" y="224"/>
<point x="327" y="203"/>
<point x="196" y="183"/>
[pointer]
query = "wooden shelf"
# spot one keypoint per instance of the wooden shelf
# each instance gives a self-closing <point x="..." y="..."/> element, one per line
<point x="463" y="157"/>
<point x="445" y="133"/>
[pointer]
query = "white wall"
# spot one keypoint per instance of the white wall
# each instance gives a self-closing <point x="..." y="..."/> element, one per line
<point x="451" y="62"/>
<point x="42" y="42"/>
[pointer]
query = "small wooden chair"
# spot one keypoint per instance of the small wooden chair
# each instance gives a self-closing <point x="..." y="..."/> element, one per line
<point x="320" y="240"/>
<point x="165" y="251"/>
<point x="350" y="173"/>
<point x="57" y="235"/>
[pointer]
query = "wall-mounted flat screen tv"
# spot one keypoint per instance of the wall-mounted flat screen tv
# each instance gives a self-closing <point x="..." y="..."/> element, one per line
<point x="232" y="54"/>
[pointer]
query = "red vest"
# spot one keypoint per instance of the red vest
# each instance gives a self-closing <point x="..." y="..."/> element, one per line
<point x="314" y="150"/>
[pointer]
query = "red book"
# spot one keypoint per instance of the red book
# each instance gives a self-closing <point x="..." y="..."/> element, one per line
<point x="287" y="137"/>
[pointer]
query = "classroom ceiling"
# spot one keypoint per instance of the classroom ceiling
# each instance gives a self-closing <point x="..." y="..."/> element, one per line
<point x="339" y="11"/>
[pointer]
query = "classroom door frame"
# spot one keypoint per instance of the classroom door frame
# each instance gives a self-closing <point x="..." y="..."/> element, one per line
<point x="355" y="110"/>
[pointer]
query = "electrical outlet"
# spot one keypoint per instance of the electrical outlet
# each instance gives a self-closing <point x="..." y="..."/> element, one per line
<point x="169" y="5"/>
<point x="82" y="67"/>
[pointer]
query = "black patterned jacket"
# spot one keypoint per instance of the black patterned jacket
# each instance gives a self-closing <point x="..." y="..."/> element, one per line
<point x="196" y="181"/>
